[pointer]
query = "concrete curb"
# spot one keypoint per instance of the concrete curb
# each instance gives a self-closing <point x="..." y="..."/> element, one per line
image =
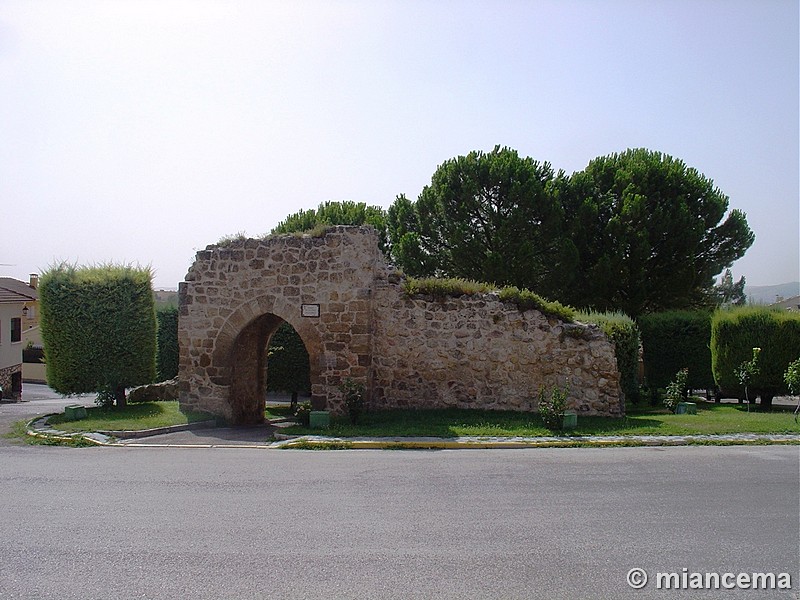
<point x="38" y="427"/>
<point x="125" y="435"/>
<point x="543" y="442"/>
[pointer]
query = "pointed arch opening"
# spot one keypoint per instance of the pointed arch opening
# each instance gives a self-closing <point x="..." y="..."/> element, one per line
<point x="257" y="366"/>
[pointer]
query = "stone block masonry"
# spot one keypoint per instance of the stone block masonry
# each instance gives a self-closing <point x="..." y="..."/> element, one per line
<point x="351" y="311"/>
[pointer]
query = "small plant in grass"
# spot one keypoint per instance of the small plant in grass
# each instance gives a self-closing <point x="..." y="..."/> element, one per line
<point x="303" y="413"/>
<point x="353" y="394"/>
<point x="552" y="406"/>
<point x="105" y="398"/>
<point x="676" y="389"/>
<point x="792" y="377"/>
<point x="745" y="373"/>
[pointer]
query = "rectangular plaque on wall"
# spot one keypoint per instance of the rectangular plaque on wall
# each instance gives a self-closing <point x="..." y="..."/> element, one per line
<point x="309" y="310"/>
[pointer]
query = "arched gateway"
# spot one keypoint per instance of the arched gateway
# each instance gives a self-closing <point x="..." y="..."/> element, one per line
<point x="351" y="312"/>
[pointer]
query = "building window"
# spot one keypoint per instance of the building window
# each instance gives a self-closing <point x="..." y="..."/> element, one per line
<point x="16" y="330"/>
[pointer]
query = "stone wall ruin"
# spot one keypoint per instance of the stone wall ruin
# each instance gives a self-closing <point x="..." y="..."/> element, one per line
<point x="355" y="319"/>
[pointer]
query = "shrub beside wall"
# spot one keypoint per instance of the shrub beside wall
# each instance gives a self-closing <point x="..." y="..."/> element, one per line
<point x="167" y="342"/>
<point x="621" y="330"/>
<point x="734" y="334"/>
<point x="674" y="340"/>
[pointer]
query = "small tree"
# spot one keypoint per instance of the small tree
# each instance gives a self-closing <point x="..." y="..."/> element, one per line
<point x="552" y="405"/>
<point x="353" y="395"/>
<point x="745" y="373"/>
<point x="728" y="293"/>
<point x="98" y="328"/>
<point x="676" y="390"/>
<point x="792" y="377"/>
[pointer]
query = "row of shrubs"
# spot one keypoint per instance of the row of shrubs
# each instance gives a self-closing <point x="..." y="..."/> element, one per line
<point x="711" y="346"/>
<point x="714" y="346"/>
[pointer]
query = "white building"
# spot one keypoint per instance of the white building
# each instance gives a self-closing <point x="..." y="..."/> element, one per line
<point x="17" y="302"/>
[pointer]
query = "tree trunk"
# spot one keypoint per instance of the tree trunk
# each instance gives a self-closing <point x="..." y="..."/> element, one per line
<point x="766" y="401"/>
<point x="119" y="396"/>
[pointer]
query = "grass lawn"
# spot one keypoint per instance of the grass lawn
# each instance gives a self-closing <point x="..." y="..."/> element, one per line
<point x="710" y="419"/>
<point x="448" y="423"/>
<point x="144" y="415"/>
<point x="277" y="411"/>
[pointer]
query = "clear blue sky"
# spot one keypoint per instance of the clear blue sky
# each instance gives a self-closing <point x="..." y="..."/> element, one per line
<point x="142" y="131"/>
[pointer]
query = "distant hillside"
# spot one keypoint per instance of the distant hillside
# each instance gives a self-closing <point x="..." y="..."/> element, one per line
<point x="766" y="294"/>
<point x="165" y="298"/>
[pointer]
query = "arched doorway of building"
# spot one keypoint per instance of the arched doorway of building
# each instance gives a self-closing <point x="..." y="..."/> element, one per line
<point x="250" y="366"/>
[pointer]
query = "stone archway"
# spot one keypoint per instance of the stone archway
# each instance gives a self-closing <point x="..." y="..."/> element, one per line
<point x="240" y="358"/>
<point x="358" y="323"/>
<point x="235" y="296"/>
<point x="249" y="370"/>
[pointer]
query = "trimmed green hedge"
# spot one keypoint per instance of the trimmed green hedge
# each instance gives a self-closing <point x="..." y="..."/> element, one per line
<point x="167" y="342"/>
<point x="623" y="331"/>
<point x="98" y="328"/>
<point x="734" y="334"/>
<point x="674" y="340"/>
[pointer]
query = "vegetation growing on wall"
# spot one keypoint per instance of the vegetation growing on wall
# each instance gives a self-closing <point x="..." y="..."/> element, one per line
<point x="99" y="329"/>
<point x="621" y="330"/>
<point x="336" y="213"/>
<point x="522" y="299"/>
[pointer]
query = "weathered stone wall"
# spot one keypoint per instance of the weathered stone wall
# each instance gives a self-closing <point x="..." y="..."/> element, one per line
<point x="235" y="297"/>
<point x="478" y="352"/>
<point x="355" y="320"/>
<point x="7" y="381"/>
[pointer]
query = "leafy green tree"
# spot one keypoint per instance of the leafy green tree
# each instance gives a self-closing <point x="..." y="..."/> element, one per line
<point x="337" y="213"/>
<point x="403" y="227"/>
<point x="98" y="328"/>
<point x="489" y="217"/>
<point x="288" y="366"/>
<point x="649" y="232"/>
<point x="728" y="293"/>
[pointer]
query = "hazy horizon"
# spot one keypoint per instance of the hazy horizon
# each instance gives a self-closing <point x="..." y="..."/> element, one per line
<point x="140" y="132"/>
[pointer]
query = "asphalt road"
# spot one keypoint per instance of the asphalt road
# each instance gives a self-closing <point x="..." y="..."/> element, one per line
<point x="37" y="400"/>
<point x="244" y="523"/>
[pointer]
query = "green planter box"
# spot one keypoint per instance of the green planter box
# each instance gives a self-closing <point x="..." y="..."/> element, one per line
<point x="320" y="419"/>
<point x="570" y="419"/>
<point x="686" y="408"/>
<point x="74" y="412"/>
